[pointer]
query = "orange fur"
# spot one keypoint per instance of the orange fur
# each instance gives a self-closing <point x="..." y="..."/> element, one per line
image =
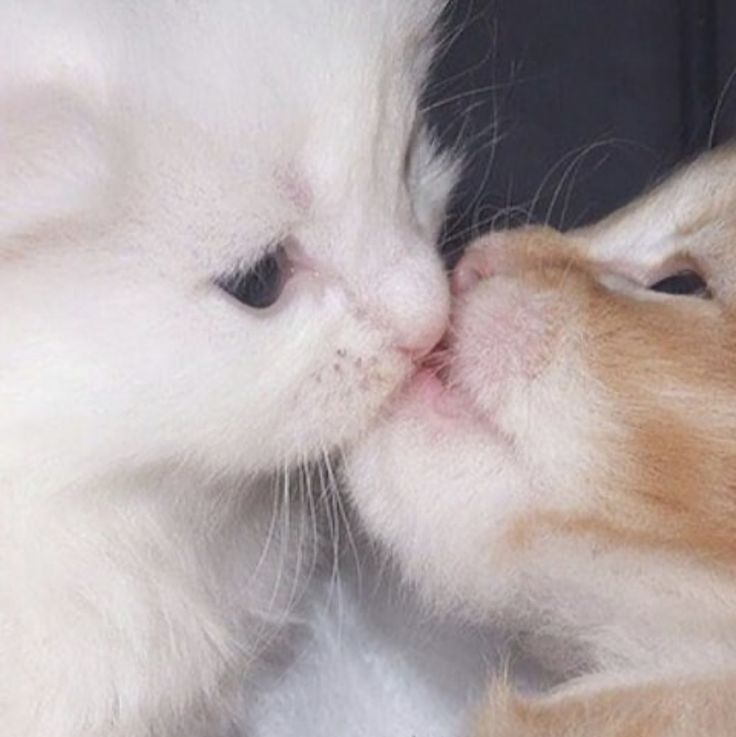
<point x="573" y="477"/>
<point x="669" y="482"/>
<point x="681" y="709"/>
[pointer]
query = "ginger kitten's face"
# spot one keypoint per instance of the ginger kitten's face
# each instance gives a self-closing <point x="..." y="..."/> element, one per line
<point x="578" y="456"/>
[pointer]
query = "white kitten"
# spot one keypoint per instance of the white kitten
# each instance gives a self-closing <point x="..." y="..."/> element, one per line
<point x="216" y="262"/>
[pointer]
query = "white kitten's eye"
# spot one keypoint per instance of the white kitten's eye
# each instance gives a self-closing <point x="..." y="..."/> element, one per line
<point x="683" y="283"/>
<point x="261" y="285"/>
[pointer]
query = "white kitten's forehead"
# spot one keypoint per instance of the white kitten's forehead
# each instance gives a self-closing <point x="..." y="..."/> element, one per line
<point x="328" y="80"/>
<point x="175" y="51"/>
<point x="219" y="204"/>
<point x="319" y="127"/>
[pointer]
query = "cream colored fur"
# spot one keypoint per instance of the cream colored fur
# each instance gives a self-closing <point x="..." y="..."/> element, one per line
<point x="572" y="475"/>
<point x="152" y="543"/>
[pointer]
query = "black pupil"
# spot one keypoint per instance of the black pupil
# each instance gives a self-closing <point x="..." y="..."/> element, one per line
<point x="683" y="283"/>
<point x="260" y="286"/>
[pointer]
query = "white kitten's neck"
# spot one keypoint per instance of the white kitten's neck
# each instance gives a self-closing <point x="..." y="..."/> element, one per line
<point x="168" y="583"/>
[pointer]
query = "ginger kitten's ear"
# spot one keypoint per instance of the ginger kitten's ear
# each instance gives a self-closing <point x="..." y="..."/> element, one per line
<point x="54" y="161"/>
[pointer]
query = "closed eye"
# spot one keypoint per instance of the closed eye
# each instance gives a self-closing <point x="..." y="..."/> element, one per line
<point x="686" y="283"/>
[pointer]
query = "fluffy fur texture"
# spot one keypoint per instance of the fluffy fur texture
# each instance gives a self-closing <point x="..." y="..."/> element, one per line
<point x="151" y="423"/>
<point x="374" y="665"/>
<point x="573" y="473"/>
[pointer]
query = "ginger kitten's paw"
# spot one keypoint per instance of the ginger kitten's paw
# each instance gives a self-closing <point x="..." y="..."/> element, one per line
<point x="507" y="714"/>
<point x="682" y="709"/>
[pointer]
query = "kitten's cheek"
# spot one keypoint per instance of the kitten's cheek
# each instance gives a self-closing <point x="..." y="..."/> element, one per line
<point x="504" y="333"/>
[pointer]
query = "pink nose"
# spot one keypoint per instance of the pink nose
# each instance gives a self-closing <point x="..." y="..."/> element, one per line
<point x="414" y="302"/>
<point x="474" y="266"/>
<point x="423" y="341"/>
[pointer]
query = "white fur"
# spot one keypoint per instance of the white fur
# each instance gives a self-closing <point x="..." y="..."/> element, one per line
<point x="377" y="664"/>
<point x="149" y="550"/>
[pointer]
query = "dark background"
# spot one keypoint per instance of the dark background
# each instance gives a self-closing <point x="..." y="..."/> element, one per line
<point x="566" y="109"/>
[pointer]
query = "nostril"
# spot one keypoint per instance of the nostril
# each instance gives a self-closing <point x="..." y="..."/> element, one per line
<point x="473" y="267"/>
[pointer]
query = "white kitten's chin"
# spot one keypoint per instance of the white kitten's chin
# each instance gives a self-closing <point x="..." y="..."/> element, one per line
<point x="438" y="401"/>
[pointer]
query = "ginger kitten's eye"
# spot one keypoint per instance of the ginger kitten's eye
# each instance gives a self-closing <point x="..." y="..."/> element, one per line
<point x="261" y="285"/>
<point x="684" y="283"/>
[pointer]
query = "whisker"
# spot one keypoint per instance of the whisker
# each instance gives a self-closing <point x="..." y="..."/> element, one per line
<point x="332" y="525"/>
<point x="275" y="496"/>
<point x="348" y="521"/>
<point x="312" y="511"/>
<point x="719" y="108"/>
<point x="284" y="541"/>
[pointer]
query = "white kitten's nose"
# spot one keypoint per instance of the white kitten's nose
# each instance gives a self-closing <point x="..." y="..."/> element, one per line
<point x="418" y="344"/>
<point x="416" y="304"/>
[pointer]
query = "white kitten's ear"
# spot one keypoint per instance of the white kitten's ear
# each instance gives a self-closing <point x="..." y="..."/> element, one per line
<point x="53" y="159"/>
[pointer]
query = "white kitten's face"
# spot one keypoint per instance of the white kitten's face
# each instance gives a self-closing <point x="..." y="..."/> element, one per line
<point x="241" y="281"/>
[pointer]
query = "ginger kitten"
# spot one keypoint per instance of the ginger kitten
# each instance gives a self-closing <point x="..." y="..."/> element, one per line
<point x="570" y="471"/>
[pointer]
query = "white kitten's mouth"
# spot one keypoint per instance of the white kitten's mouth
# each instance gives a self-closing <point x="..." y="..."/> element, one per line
<point x="432" y="389"/>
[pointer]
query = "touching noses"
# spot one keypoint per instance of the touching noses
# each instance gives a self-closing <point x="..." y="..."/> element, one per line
<point x="419" y="301"/>
<point x="418" y="344"/>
